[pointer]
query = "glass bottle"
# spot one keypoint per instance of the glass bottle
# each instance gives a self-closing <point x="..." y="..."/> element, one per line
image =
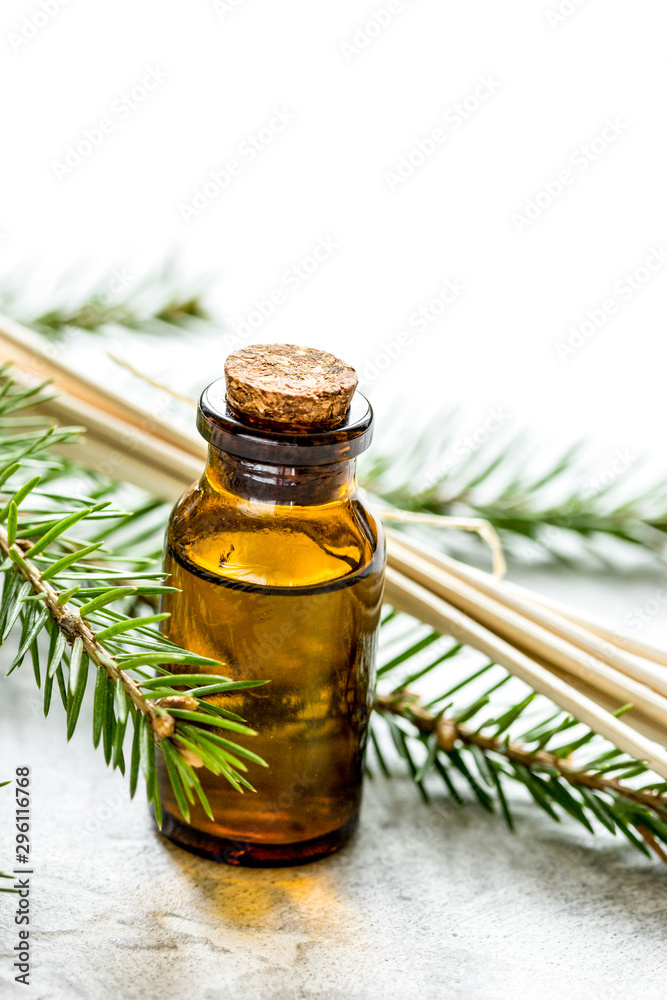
<point x="280" y="567"/>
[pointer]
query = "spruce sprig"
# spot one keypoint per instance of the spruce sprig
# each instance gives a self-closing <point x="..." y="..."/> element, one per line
<point x="535" y="509"/>
<point x="467" y="737"/>
<point x="156" y="304"/>
<point x="73" y="589"/>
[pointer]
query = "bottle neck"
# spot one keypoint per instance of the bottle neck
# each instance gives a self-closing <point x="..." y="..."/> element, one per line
<point x="277" y="484"/>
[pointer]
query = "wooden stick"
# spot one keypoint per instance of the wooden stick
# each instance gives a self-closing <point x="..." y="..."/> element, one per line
<point x="601" y="629"/>
<point x="120" y="440"/>
<point x="411" y="597"/>
<point x="593" y="625"/>
<point x="525" y="603"/>
<point x="525" y="634"/>
<point x="633" y="718"/>
<point x="128" y="366"/>
<point x="21" y="345"/>
<point x="108" y="459"/>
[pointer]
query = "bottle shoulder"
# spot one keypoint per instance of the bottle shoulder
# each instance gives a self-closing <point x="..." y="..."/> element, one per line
<point x="276" y="545"/>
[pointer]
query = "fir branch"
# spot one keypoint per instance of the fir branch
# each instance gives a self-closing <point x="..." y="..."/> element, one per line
<point x="450" y="734"/>
<point x="155" y="304"/>
<point x="93" y="314"/>
<point x="70" y="624"/>
<point x="499" y="481"/>
<point x="474" y="744"/>
<point x="168" y="712"/>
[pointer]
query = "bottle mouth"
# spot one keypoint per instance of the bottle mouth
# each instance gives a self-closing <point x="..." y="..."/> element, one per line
<point x="224" y="429"/>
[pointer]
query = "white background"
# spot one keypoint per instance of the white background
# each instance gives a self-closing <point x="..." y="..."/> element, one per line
<point x="356" y="111"/>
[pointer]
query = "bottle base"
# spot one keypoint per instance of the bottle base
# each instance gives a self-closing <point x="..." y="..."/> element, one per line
<point x="253" y="854"/>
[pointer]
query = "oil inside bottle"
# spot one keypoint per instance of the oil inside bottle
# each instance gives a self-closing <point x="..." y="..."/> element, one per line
<point x="290" y="595"/>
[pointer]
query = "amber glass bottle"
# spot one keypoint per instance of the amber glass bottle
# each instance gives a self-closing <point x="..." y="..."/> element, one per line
<point x="280" y="564"/>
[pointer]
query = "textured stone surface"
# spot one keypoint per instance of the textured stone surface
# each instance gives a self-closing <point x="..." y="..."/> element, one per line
<point x="430" y="902"/>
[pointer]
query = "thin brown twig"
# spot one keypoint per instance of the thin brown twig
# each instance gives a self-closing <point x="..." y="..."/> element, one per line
<point x="651" y="842"/>
<point x="73" y="626"/>
<point x="405" y="704"/>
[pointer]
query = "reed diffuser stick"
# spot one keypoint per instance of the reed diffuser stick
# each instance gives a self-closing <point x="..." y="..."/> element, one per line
<point x="412" y="597"/>
<point x="522" y="602"/>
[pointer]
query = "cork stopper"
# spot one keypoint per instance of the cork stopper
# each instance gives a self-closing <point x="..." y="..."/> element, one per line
<point x="289" y="386"/>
